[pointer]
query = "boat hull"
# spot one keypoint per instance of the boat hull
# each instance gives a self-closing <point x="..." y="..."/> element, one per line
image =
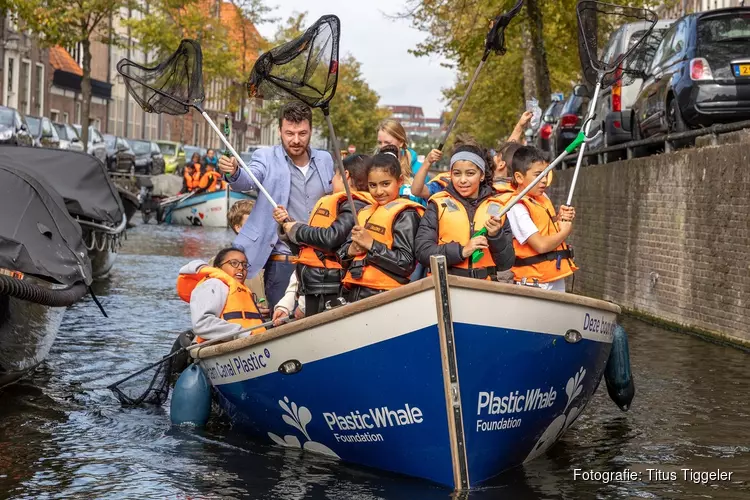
<point x="377" y="383"/>
<point x="27" y="332"/>
<point x="206" y="209"/>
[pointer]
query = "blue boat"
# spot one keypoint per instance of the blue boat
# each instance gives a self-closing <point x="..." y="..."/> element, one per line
<point x="203" y="209"/>
<point x="448" y="379"/>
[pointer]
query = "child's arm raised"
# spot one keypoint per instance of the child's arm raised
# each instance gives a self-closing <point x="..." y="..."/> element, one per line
<point x="520" y="129"/>
<point x="418" y="185"/>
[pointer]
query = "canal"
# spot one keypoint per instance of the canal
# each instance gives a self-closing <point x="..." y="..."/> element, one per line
<point x="63" y="435"/>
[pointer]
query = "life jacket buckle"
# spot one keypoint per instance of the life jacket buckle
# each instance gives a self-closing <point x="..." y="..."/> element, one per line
<point x="341" y="302"/>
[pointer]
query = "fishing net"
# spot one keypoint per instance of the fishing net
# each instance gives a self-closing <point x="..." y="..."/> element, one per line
<point x="495" y="40"/>
<point x="173" y="86"/>
<point x="152" y="384"/>
<point x="305" y="68"/>
<point x="607" y="61"/>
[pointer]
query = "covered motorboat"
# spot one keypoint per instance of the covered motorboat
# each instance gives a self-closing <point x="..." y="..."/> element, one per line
<point x="90" y="197"/>
<point x="44" y="266"/>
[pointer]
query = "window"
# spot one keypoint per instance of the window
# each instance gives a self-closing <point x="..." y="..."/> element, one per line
<point x="24" y="103"/>
<point x="39" y="82"/>
<point x="662" y="52"/>
<point x="78" y="112"/>
<point x="76" y="52"/>
<point x="46" y="128"/>
<point x="54" y="115"/>
<point x="196" y="130"/>
<point x="11" y="71"/>
<point x="65" y="117"/>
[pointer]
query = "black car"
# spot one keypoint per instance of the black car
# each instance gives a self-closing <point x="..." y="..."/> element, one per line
<point x="42" y="131"/>
<point x="700" y="74"/>
<point x="148" y="157"/>
<point x="120" y="156"/>
<point x="13" y="128"/>
<point x="570" y="122"/>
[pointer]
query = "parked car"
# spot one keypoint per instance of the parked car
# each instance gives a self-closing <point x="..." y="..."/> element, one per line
<point x="571" y="120"/>
<point x="549" y="118"/>
<point x="68" y="137"/>
<point x="95" y="146"/>
<point x="615" y="103"/>
<point x="120" y="156"/>
<point x="700" y="74"/>
<point x="148" y="157"/>
<point x="44" y="135"/>
<point x="13" y="128"/>
<point x="174" y="155"/>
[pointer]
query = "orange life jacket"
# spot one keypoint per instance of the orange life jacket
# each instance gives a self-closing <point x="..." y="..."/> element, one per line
<point x="192" y="180"/>
<point x="502" y="187"/>
<point x="210" y="181"/>
<point x="546" y="267"/>
<point x="327" y="211"/>
<point x="443" y="179"/>
<point x="378" y="220"/>
<point x="454" y="226"/>
<point x="239" y="308"/>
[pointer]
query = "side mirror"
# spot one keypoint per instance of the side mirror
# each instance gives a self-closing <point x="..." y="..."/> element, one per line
<point x="24" y="127"/>
<point x="548" y="119"/>
<point x="581" y="91"/>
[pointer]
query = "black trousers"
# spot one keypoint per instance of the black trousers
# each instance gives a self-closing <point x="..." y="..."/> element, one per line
<point x="315" y="304"/>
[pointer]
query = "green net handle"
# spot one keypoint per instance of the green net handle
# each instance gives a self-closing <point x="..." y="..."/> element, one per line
<point x="478" y="254"/>
<point x="580" y="138"/>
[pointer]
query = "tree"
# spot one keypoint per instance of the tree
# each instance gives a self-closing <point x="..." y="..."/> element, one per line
<point x="354" y="109"/>
<point x="68" y="23"/>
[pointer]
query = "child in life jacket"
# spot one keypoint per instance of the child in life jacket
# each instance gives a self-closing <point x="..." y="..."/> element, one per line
<point x="454" y="216"/>
<point x="220" y="303"/>
<point x="319" y="271"/>
<point x="539" y="234"/>
<point x="211" y="181"/>
<point x="191" y="175"/>
<point x="379" y="253"/>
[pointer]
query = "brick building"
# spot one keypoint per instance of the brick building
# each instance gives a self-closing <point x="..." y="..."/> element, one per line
<point x="414" y="121"/>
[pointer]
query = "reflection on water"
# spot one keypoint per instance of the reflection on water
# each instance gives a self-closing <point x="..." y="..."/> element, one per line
<point x="63" y="435"/>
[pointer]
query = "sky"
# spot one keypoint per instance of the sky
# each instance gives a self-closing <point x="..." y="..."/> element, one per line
<point x="381" y="45"/>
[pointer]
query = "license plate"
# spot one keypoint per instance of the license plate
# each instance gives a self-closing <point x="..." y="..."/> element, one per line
<point x="742" y="70"/>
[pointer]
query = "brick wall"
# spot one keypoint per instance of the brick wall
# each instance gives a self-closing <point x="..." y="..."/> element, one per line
<point x="668" y="236"/>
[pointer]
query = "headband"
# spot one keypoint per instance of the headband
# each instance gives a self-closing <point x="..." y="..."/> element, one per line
<point x="391" y="153"/>
<point x="468" y="156"/>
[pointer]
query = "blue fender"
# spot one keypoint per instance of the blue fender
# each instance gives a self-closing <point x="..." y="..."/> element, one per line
<point x="191" y="399"/>
<point x="617" y="374"/>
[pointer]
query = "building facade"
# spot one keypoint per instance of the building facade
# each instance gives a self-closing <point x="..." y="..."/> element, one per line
<point x="415" y="123"/>
<point x="24" y="71"/>
<point x="680" y="8"/>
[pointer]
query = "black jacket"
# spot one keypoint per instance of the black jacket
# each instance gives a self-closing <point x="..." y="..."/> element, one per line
<point x="397" y="261"/>
<point x="501" y="245"/>
<point x="327" y="240"/>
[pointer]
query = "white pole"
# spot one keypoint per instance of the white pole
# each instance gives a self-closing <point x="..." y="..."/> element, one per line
<point x="586" y="125"/>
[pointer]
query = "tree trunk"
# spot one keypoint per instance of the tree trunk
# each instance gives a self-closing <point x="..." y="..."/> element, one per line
<point x="529" y="70"/>
<point x="86" y="90"/>
<point x="536" y="28"/>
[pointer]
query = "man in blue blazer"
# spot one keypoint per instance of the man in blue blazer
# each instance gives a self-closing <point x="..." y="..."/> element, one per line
<point x="296" y="177"/>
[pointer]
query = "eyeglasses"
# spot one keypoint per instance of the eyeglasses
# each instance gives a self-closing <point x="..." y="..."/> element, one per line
<point x="236" y="264"/>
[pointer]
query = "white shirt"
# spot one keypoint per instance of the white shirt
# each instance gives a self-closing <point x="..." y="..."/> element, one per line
<point x="304" y="169"/>
<point x="524" y="228"/>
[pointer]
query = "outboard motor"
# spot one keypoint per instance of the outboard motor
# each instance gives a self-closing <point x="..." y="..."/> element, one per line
<point x="145" y="197"/>
<point x="617" y="374"/>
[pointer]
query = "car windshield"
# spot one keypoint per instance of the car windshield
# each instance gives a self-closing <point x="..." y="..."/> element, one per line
<point x="140" y="147"/>
<point x="35" y="125"/>
<point x="72" y="133"/>
<point x="726" y="28"/>
<point x="167" y="149"/>
<point x="573" y="105"/>
<point x="110" y="141"/>
<point x="6" y="117"/>
<point x="62" y="131"/>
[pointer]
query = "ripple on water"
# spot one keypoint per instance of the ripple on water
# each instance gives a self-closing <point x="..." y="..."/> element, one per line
<point x="63" y="435"/>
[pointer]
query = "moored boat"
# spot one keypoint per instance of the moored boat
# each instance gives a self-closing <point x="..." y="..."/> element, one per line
<point x="448" y="379"/>
<point x="203" y="209"/>
<point x="90" y="197"/>
<point x="43" y="267"/>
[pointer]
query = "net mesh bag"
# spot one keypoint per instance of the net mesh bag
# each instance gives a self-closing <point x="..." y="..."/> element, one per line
<point x="152" y="384"/>
<point x="173" y="86"/>
<point x="305" y="68"/>
<point x="597" y="21"/>
<point x="495" y="40"/>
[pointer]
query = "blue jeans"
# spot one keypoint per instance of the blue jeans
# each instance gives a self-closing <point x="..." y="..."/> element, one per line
<point x="276" y="278"/>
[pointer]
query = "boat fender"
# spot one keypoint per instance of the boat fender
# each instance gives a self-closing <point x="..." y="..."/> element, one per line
<point x="191" y="399"/>
<point x="617" y="374"/>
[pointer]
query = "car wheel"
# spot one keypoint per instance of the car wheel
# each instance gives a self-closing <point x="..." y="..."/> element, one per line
<point x="675" y="123"/>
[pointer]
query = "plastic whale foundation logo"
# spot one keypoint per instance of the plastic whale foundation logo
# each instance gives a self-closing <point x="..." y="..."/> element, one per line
<point x="298" y="417"/>
<point x="557" y="428"/>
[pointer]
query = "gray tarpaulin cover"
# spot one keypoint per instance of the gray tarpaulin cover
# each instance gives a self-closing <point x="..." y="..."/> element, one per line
<point x="37" y="235"/>
<point x="81" y="180"/>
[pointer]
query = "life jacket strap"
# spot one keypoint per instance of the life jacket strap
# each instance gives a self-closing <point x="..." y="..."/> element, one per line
<point x="240" y="315"/>
<point x="357" y="270"/>
<point x="544" y="257"/>
<point x="480" y="273"/>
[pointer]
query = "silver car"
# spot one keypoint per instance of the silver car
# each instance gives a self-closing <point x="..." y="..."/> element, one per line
<point x="69" y="138"/>
<point x="96" y="146"/>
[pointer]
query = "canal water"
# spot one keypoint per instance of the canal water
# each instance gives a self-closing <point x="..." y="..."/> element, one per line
<point x="63" y="435"/>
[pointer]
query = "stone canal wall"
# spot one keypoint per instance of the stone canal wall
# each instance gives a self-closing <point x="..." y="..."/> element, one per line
<point x="668" y="237"/>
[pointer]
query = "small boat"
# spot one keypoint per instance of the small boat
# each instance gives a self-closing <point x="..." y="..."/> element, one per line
<point x="43" y="266"/>
<point x="448" y="379"/>
<point x="91" y="198"/>
<point x="202" y="209"/>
